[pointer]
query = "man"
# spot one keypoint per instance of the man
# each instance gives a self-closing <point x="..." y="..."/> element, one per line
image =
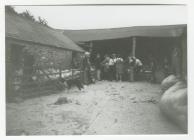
<point x="153" y="68"/>
<point x="166" y="66"/>
<point x="130" y="62"/>
<point x="176" y="61"/>
<point x="86" y="68"/>
<point x="138" y="68"/>
<point x="97" y="63"/>
<point x="119" y="68"/>
<point x="114" y="58"/>
<point x="105" y="65"/>
<point x="111" y="68"/>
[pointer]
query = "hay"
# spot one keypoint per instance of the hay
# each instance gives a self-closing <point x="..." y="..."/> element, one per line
<point x="174" y="104"/>
<point x="175" y="87"/>
<point x="168" y="82"/>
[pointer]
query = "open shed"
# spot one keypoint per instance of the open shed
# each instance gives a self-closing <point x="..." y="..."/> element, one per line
<point x="140" y="41"/>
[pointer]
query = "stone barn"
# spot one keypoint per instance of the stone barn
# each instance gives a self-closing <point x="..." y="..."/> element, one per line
<point x="35" y="54"/>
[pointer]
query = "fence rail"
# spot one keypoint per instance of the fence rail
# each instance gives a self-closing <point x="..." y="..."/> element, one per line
<point x="26" y="82"/>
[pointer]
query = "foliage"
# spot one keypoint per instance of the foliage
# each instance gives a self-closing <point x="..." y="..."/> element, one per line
<point x="28" y="15"/>
<point x="10" y="9"/>
<point x="42" y="21"/>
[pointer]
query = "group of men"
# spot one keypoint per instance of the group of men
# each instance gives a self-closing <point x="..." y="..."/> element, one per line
<point x="114" y="67"/>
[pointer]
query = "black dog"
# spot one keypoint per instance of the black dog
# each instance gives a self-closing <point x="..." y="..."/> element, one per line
<point x="72" y="82"/>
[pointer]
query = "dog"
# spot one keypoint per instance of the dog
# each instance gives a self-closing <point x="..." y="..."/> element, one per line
<point x="72" y="82"/>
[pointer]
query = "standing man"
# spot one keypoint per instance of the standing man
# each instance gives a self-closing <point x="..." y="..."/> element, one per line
<point x="86" y="68"/>
<point x="176" y="61"/>
<point x="138" y="68"/>
<point x="97" y="63"/>
<point x="153" y="68"/>
<point x="166" y="67"/>
<point x="105" y="65"/>
<point x="119" y="68"/>
<point x="111" y="68"/>
<point x="114" y="58"/>
<point x="130" y="62"/>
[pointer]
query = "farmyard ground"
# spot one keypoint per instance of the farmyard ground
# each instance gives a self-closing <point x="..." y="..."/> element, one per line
<point x="104" y="108"/>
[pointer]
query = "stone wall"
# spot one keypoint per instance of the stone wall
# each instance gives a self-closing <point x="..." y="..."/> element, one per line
<point x="25" y="63"/>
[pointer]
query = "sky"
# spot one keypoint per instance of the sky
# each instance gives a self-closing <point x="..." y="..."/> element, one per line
<point x="100" y="17"/>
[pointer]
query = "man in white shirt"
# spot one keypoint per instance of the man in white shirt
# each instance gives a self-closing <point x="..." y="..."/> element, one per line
<point x="111" y="62"/>
<point x="112" y="69"/>
<point x="138" y="63"/>
<point x="138" y="68"/>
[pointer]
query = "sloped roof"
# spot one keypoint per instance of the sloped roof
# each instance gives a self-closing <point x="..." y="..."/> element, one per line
<point x="114" y="33"/>
<point x="20" y="28"/>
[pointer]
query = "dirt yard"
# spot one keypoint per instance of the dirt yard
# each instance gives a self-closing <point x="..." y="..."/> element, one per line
<point x="104" y="108"/>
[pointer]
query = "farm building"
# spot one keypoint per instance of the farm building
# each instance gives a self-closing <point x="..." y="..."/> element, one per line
<point x="140" y="41"/>
<point x="35" y="53"/>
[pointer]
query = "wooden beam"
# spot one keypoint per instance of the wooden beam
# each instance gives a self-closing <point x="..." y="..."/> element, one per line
<point x="91" y="47"/>
<point x="133" y="55"/>
<point x="133" y="46"/>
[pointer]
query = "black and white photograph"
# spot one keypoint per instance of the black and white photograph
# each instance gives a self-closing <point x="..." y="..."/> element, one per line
<point x="96" y="69"/>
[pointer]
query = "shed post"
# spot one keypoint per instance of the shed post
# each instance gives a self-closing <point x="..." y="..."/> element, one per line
<point x="133" y="46"/>
<point x="133" y="55"/>
<point x="91" y="47"/>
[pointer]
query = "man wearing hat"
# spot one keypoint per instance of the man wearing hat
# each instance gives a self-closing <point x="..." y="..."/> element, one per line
<point x="86" y="68"/>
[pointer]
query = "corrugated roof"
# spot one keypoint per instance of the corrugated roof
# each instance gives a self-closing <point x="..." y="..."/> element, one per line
<point x="113" y="33"/>
<point x="23" y="29"/>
